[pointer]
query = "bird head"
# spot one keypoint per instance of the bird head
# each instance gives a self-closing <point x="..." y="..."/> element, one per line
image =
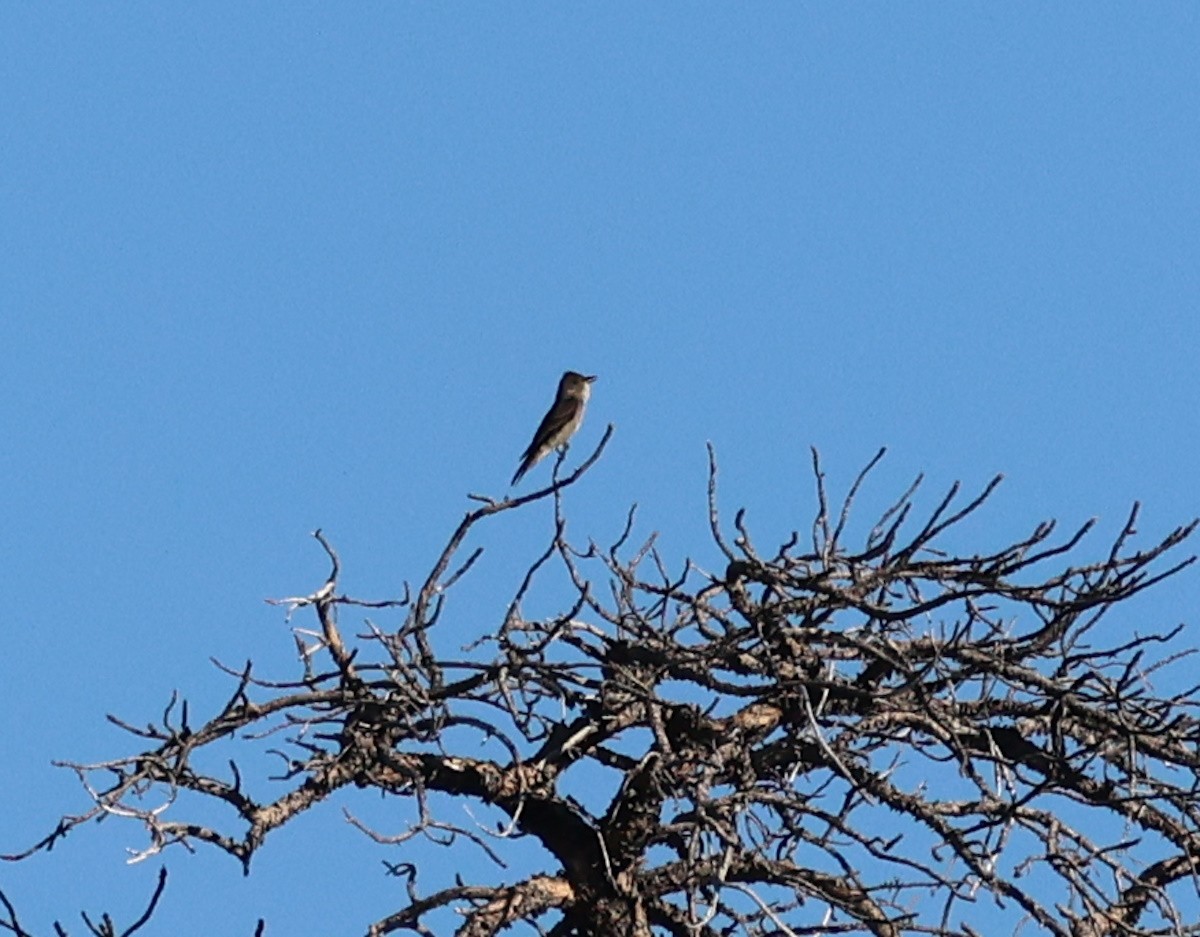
<point x="576" y="384"/>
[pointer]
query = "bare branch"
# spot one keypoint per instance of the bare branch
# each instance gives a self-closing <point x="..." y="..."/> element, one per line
<point x="891" y="739"/>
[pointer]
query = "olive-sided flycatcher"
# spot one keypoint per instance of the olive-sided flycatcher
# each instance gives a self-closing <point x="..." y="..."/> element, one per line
<point x="560" y="422"/>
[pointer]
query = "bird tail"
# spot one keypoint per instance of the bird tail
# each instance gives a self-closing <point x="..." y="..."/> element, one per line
<point x="524" y="467"/>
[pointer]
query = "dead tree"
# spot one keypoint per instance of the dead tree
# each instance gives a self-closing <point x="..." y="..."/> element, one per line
<point x="878" y="739"/>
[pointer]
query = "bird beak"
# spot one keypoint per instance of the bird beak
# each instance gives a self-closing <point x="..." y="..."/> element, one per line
<point x="590" y="377"/>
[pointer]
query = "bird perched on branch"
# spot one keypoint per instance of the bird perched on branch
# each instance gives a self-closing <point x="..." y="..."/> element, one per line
<point x="560" y="422"/>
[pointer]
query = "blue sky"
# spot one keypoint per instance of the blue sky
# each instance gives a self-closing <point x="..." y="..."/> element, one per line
<point x="265" y="268"/>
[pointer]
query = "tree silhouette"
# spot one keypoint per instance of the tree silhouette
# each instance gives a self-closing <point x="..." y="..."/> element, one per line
<point x="883" y="739"/>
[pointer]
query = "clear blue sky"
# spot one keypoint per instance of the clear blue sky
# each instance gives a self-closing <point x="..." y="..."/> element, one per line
<point x="265" y="268"/>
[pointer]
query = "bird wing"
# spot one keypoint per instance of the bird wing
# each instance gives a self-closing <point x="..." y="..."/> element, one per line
<point x="557" y="417"/>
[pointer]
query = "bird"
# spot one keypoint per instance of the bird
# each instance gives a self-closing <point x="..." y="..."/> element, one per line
<point x="560" y="422"/>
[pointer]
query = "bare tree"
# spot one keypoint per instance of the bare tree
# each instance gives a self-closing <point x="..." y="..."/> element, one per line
<point x="822" y="738"/>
